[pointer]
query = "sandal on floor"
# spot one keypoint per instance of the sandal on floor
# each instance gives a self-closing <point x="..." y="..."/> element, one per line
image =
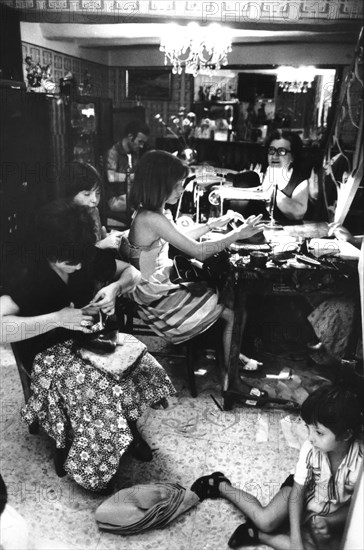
<point x="245" y="535"/>
<point x="208" y="486"/>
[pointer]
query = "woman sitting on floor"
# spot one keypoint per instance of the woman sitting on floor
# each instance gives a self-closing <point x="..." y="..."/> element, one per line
<point x="173" y="311"/>
<point x="43" y="309"/>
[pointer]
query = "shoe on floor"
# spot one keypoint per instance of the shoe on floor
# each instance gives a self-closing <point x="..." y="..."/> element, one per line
<point x="244" y="535"/>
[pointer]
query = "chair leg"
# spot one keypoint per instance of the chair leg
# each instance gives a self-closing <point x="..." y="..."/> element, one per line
<point x="190" y="368"/>
<point x="34" y="428"/>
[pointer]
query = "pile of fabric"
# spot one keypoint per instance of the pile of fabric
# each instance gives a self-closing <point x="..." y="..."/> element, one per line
<point x="154" y="505"/>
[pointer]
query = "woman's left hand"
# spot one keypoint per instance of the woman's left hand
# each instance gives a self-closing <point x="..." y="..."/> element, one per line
<point x="105" y="299"/>
<point x="222" y="221"/>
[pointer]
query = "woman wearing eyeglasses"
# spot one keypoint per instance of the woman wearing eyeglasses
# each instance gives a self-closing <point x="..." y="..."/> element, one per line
<point x="286" y="172"/>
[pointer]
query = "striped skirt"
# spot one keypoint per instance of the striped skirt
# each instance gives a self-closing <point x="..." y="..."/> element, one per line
<point x="183" y="313"/>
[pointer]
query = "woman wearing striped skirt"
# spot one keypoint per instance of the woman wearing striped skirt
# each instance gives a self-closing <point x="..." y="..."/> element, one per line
<point x="171" y="310"/>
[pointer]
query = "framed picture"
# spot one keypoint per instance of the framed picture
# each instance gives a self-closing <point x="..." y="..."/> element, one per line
<point x="148" y="83"/>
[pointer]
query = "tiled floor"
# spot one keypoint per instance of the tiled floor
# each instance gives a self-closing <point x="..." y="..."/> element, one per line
<point x="191" y="438"/>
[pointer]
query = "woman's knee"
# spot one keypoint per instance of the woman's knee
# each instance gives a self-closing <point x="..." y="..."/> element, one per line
<point x="267" y="523"/>
<point x="227" y="314"/>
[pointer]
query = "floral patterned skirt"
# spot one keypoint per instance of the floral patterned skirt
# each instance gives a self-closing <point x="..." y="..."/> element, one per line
<point x="70" y="396"/>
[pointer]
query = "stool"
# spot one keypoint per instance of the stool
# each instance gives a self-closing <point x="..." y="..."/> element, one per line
<point x="135" y="325"/>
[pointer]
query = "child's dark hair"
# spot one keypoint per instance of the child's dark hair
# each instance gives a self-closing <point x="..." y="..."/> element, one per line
<point x="64" y="232"/>
<point x="337" y="408"/>
<point x="156" y="175"/>
<point x="79" y="176"/>
<point x="3" y="495"/>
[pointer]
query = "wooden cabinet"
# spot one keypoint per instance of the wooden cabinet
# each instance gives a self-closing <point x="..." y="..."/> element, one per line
<point x="89" y="128"/>
<point x="31" y="155"/>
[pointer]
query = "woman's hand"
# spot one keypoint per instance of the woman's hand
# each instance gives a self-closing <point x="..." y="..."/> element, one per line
<point x="72" y="318"/>
<point x="106" y="297"/>
<point x="250" y="227"/>
<point x="222" y="221"/>
<point x="112" y="240"/>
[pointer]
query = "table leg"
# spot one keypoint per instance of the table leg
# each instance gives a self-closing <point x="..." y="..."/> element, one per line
<point x="240" y="298"/>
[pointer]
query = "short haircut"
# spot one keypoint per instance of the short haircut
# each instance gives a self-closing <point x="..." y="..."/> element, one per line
<point x="64" y="232"/>
<point x="293" y="138"/>
<point x="79" y="176"/>
<point x="134" y="127"/>
<point x="156" y="175"/>
<point x="338" y="409"/>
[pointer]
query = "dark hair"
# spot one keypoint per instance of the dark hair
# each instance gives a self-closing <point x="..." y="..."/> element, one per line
<point x="3" y="495"/>
<point x="156" y="175"/>
<point x="64" y="232"/>
<point x="79" y="176"/>
<point x="336" y="408"/>
<point x="293" y="138"/>
<point x="134" y="127"/>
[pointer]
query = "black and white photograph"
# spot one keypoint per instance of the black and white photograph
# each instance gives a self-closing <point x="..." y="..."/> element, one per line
<point x="181" y="275"/>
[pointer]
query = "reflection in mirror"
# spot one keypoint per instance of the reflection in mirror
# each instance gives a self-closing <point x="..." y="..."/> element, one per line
<point x="83" y="131"/>
<point x="272" y="98"/>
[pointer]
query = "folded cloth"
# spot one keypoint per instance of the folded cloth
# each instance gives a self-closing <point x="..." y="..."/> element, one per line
<point x="142" y="507"/>
<point x="118" y="363"/>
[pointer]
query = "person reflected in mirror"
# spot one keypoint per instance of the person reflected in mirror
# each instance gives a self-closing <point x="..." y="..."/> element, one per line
<point x="287" y="172"/>
<point x="175" y="312"/>
<point x="311" y="507"/>
<point x="121" y="159"/>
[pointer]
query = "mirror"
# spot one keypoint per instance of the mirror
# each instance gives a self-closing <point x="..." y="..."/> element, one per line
<point x="268" y="99"/>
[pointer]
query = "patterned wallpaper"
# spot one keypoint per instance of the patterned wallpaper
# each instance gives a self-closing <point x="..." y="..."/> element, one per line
<point x="181" y="95"/>
<point x="61" y="64"/>
<point x="111" y="82"/>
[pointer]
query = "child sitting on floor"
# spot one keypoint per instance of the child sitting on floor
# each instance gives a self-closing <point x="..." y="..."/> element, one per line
<point x="316" y="498"/>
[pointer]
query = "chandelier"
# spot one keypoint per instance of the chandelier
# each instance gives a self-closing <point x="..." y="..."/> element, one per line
<point x="295" y="79"/>
<point x="194" y="48"/>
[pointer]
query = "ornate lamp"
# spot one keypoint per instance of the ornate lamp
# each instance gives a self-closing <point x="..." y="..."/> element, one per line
<point x="194" y="48"/>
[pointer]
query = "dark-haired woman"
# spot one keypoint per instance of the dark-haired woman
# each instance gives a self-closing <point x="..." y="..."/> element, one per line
<point x="171" y="311"/>
<point x="285" y="170"/>
<point x="43" y="309"/>
<point x="82" y="184"/>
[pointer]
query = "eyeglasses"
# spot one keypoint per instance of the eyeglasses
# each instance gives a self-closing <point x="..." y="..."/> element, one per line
<point x="281" y="151"/>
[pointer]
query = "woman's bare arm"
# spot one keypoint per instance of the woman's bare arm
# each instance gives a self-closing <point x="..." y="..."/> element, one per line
<point x="15" y="327"/>
<point x="294" y="207"/>
<point x="154" y="226"/>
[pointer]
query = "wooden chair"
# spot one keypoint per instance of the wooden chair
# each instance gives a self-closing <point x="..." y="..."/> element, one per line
<point x="136" y="326"/>
<point x="24" y="364"/>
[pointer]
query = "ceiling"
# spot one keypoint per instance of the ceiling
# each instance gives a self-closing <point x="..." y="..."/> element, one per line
<point x="115" y="23"/>
<point x="132" y="34"/>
